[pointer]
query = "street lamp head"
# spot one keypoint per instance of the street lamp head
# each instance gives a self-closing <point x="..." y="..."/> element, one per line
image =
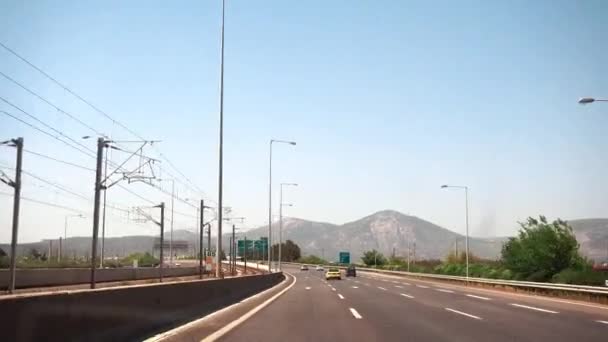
<point x="292" y="143"/>
<point x="585" y="100"/>
<point x="444" y="186"/>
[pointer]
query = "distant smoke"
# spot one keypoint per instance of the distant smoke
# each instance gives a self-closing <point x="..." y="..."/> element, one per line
<point x="487" y="225"/>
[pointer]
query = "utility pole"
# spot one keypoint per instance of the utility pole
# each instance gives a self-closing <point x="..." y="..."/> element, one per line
<point x="209" y="238"/>
<point x="171" y="237"/>
<point x="101" y="143"/>
<point x="233" y="258"/>
<point x="16" y="185"/>
<point x="201" y="232"/>
<point x="103" y="224"/>
<point x="245" y="253"/>
<point x="162" y="238"/>
<point x="414" y="256"/>
<point x="409" y="252"/>
<point x="60" y="247"/>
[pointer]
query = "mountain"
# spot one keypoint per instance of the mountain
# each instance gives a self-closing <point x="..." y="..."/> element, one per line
<point x="385" y="230"/>
<point x="390" y="229"/>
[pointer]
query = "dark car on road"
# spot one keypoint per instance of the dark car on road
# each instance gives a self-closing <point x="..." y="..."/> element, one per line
<point x="351" y="271"/>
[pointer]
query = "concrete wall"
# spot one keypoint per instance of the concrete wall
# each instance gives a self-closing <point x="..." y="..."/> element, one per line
<point x="121" y="314"/>
<point x="70" y="276"/>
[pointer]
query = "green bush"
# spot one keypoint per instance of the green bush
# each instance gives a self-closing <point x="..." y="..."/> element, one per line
<point x="506" y="275"/>
<point x="539" y="276"/>
<point x="580" y="277"/>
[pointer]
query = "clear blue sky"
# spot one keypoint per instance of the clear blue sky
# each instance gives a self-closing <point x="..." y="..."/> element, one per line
<point x="387" y="101"/>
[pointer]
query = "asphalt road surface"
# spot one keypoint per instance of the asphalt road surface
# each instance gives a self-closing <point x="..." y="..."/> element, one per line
<point x="374" y="307"/>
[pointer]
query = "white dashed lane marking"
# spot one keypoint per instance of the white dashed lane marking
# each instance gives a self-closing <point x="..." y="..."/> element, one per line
<point x="341" y="296"/>
<point x="444" y="290"/>
<point x="534" y="308"/>
<point x="382" y="288"/>
<point x="463" y="313"/>
<point x="406" y="295"/>
<point x="422" y="286"/>
<point x="478" y="297"/>
<point x="355" y="313"/>
<point x="308" y="287"/>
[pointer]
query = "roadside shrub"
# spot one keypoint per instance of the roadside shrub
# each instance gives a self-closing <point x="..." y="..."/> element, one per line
<point x="539" y="276"/>
<point x="506" y="275"/>
<point x="580" y="277"/>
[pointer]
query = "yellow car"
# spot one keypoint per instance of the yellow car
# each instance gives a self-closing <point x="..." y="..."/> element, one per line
<point x="333" y="273"/>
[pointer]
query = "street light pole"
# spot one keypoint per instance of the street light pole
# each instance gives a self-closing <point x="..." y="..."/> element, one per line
<point x="270" y="200"/>
<point x="466" y="194"/>
<point x="281" y="204"/>
<point x="218" y="261"/>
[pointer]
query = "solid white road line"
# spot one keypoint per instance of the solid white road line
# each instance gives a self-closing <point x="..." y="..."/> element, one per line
<point x="603" y="322"/>
<point x="333" y="289"/>
<point x="534" y="308"/>
<point x="355" y="287"/>
<point x="381" y="288"/>
<point x="463" y="313"/>
<point x="307" y="287"/>
<point x="341" y="296"/>
<point x="478" y="297"/>
<point x="444" y="290"/>
<point x="408" y="284"/>
<point x="406" y="295"/>
<point x="355" y="313"/>
<point x="399" y="287"/>
<point x="422" y="286"/>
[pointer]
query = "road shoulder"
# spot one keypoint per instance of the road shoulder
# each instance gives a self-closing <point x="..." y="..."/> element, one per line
<point x="212" y="326"/>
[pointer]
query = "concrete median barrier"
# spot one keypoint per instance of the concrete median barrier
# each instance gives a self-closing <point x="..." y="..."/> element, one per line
<point x="26" y="278"/>
<point x="122" y="313"/>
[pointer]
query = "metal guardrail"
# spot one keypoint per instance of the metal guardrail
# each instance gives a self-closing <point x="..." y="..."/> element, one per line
<point x="598" y="290"/>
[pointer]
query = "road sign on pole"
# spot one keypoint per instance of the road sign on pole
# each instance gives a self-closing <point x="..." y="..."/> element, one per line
<point x="344" y="257"/>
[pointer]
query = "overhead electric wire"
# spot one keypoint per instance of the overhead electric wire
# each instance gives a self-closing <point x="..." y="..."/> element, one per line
<point x="95" y="108"/>
<point x="71" y="116"/>
<point x="47" y="203"/>
<point x="59" y="160"/>
<point x="45" y="124"/>
<point x="114" y="121"/>
<point x="45" y="132"/>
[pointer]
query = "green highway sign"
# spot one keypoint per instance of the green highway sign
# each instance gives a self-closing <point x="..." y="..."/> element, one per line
<point x="344" y="257"/>
<point x="255" y="248"/>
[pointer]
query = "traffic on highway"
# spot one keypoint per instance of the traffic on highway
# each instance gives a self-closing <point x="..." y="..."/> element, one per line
<point x="375" y="307"/>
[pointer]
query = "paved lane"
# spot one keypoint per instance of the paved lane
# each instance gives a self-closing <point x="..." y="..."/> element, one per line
<point x="380" y="308"/>
<point x="309" y="311"/>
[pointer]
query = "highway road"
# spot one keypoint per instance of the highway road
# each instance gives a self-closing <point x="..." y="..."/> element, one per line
<point x="373" y="307"/>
